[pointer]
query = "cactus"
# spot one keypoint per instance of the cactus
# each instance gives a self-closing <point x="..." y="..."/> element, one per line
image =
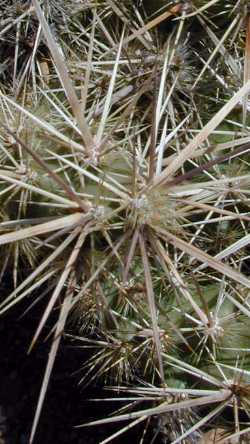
<point x="124" y="188"/>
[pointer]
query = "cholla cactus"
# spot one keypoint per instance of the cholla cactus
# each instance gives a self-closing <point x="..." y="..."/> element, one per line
<point x="124" y="182"/>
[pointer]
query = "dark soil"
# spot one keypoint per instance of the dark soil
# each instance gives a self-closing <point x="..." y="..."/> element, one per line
<point x="66" y="404"/>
